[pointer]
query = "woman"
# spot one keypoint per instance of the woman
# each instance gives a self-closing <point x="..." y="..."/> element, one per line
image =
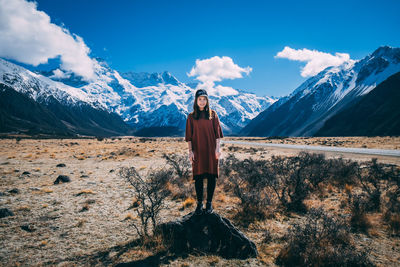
<point x="203" y="133"/>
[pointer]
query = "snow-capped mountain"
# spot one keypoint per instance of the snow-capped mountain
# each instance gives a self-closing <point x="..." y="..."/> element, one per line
<point x="144" y="79"/>
<point x="142" y="100"/>
<point x="33" y="104"/>
<point x="305" y="110"/>
<point x="376" y="113"/>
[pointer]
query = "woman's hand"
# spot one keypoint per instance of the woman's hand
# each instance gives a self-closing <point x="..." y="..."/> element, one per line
<point x="191" y="156"/>
<point x="217" y="154"/>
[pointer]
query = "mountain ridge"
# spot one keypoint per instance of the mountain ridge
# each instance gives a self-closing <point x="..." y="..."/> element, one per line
<point x="305" y="110"/>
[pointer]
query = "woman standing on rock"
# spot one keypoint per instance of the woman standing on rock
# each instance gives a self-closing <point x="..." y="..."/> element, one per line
<point x="203" y="133"/>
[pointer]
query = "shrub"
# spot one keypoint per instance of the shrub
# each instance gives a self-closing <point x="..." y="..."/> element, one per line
<point x="293" y="178"/>
<point x="342" y="172"/>
<point x="247" y="181"/>
<point x="315" y="168"/>
<point x="288" y="179"/>
<point x="358" y="205"/>
<point x="370" y="178"/>
<point x="392" y="202"/>
<point x="150" y="193"/>
<point x="180" y="164"/>
<point x="321" y="241"/>
<point x="181" y="187"/>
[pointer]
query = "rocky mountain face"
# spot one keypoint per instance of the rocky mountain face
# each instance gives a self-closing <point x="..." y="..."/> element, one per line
<point x="305" y="111"/>
<point x="376" y="113"/>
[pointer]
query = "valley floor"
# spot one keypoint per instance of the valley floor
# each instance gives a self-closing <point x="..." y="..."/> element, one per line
<point x="72" y="223"/>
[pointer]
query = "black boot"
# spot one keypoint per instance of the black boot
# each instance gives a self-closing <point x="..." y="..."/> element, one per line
<point x="199" y="208"/>
<point x="209" y="208"/>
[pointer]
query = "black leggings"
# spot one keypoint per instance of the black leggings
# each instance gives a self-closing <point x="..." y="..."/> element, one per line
<point x="210" y="188"/>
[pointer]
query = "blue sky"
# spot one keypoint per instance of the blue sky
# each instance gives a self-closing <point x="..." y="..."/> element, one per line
<point x="154" y="36"/>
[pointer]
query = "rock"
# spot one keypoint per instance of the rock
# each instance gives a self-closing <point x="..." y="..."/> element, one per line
<point x="28" y="228"/>
<point x="208" y="233"/>
<point x="62" y="179"/>
<point x="48" y="217"/>
<point x="26" y="173"/>
<point x="90" y="201"/>
<point x="84" y="176"/>
<point x="14" y="191"/>
<point x="60" y="165"/>
<point x="34" y="188"/>
<point x="4" y="212"/>
<point x="84" y="208"/>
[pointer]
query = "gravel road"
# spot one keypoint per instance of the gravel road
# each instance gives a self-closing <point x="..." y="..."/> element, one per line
<point x="366" y="151"/>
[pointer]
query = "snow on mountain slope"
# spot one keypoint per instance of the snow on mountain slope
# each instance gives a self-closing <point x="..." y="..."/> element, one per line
<point x="39" y="87"/>
<point x="141" y="100"/>
<point x="306" y="109"/>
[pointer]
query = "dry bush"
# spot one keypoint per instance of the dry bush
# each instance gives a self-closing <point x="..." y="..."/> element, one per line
<point x="285" y="181"/>
<point x="180" y="180"/>
<point x="150" y="193"/>
<point x="314" y="167"/>
<point x="372" y="178"/>
<point x="321" y="241"/>
<point x="391" y="204"/>
<point x="342" y="172"/>
<point x="292" y="179"/>
<point x="393" y="219"/>
<point x="359" y="221"/>
<point x="247" y="181"/>
<point x="180" y="164"/>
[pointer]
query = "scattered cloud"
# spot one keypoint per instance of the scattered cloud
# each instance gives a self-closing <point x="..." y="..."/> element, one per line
<point x="28" y="36"/>
<point x="59" y="74"/>
<point x="316" y="60"/>
<point x="215" y="69"/>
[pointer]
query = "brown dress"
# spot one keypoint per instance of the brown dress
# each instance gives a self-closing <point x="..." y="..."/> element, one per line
<point x="203" y="134"/>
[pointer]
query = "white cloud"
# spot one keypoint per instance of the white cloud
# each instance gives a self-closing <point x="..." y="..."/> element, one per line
<point x="215" y="69"/>
<point x="59" y="74"/>
<point x="316" y="60"/>
<point x="28" y="36"/>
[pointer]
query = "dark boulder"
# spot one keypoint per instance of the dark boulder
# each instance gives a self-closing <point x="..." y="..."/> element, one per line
<point x="207" y="233"/>
<point x="62" y="179"/>
<point x="28" y="227"/>
<point x="14" y="191"/>
<point x="4" y="212"/>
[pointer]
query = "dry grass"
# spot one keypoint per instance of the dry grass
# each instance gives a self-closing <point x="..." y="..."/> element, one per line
<point x="189" y="202"/>
<point x="47" y="190"/>
<point x="23" y="208"/>
<point x="129" y="216"/>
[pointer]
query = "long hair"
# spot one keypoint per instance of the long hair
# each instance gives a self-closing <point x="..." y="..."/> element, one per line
<point x="196" y="109"/>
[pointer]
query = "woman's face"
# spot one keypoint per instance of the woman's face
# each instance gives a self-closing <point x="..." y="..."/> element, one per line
<point x="202" y="102"/>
